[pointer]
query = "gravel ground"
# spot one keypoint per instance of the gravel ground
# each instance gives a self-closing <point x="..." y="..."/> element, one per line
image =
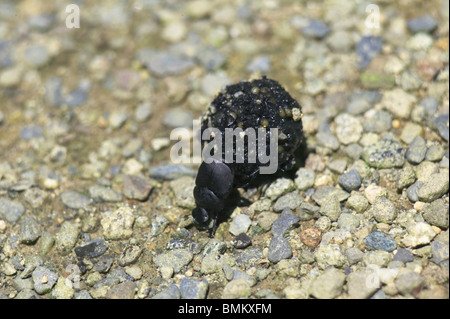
<point x="92" y="207"/>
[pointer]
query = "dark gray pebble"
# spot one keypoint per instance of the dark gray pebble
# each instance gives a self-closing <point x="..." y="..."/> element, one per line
<point x="380" y="241"/>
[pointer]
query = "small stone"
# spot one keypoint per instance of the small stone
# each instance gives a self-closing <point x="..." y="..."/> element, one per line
<point x="408" y="281"/>
<point x="419" y="42"/>
<point x="177" y="259"/>
<point x="172" y="292"/>
<point x="63" y="289"/>
<point x="259" y="64"/>
<point x="348" y="129"/>
<point x="398" y="102"/>
<point x="404" y="255"/>
<point x="104" y="194"/>
<point x="265" y="220"/>
<point x="143" y="111"/>
<point x="357" y="202"/>
<point x="350" y="181"/>
<point x="412" y="191"/>
<point x="211" y="59"/>
<point x="311" y="237"/>
<point x="44" y="279"/>
<point x="171" y="172"/>
<point x="75" y="200"/>
<point x="136" y="187"/>
<point x="331" y="208"/>
<point x="406" y="177"/>
<point x="372" y="192"/>
<point x="327" y="139"/>
<point x="384" y="154"/>
<point x="67" y="237"/>
<point x="380" y="241"/>
<point x="436" y="213"/>
<point x="435" y="153"/>
<point x="338" y="166"/>
<point x="358" y="287"/>
<point x="440" y="123"/>
<point x="410" y="132"/>
<point x="328" y="285"/>
<point x="117" y="119"/>
<point x="366" y="49"/>
<point x="304" y="179"/>
<point x="36" y="55"/>
<point x="91" y="249"/>
<point x="417" y="150"/>
<point x="237" y="288"/>
<point x="329" y="255"/>
<point x="349" y="221"/>
<point x="323" y="194"/>
<point x="47" y="241"/>
<point x="279" y="187"/>
<point x="29" y="230"/>
<point x="183" y="189"/>
<point x="440" y="251"/>
<point x="159" y="224"/>
<point x="284" y="223"/>
<point x="377" y="121"/>
<point x="419" y="234"/>
<point x="379" y="258"/>
<point x="279" y="249"/>
<point x="178" y="118"/>
<point x="129" y="255"/>
<point x="124" y="290"/>
<point x="193" y="288"/>
<point x="163" y="63"/>
<point x="436" y="186"/>
<point x="384" y="211"/>
<point x="289" y="200"/>
<point x="240" y="224"/>
<point x="118" y="224"/>
<point x="31" y="131"/>
<point x="425" y="23"/>
<point x="242" y="241"/>
<point x="323" y="224"/>
<point x="354" y="255"/>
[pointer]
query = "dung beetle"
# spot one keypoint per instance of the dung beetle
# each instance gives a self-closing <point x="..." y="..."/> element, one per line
<point x="262" y="105"/>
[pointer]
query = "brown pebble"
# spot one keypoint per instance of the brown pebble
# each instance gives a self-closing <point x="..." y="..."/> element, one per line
<point x="311" y="237"/>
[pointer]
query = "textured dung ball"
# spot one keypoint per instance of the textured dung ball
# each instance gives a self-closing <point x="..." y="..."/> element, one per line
<point x="261" y="103"/>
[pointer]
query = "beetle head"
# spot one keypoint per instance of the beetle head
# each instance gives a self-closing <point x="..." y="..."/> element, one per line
<point x="201" y="217"/>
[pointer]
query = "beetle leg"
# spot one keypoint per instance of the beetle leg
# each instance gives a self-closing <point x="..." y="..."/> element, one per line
<point x="213" y="229"/>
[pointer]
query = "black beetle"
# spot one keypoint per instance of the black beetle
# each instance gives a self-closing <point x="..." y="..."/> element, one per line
<point x="261" y="103"/>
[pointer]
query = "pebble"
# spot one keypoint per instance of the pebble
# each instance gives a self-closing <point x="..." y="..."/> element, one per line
<point x="435" y="153"/>
<point x="328" y="285"/>
<point x="315" y="29"/>
<point x="237" y="288"/>
<point x="323" y="194"/>
<point x="349" y="221"/>
<point x="416" y="151"/>
<point x="259" y="64"/>
<point x="327" y="139"/>
<point x="377" y="121"/>
<point x="42" y="22"/>
<point x="330" y="255"/>
<point x="117" y="119"/>
<point x="31" y="131"/>
<point x="419" y="233"/>
<point x="183" y="189"/>
<point x="171" y="292"/>
<point x="399" y="102"/>
<point x="366" y="49"/>
<point x="425" y="23"/>
<point x="163" y="63"/>
<point x="211" y="59"/>
<point x="350" y="181"/>
<point x="63" y="289"/>
<point x="289" y="200"/>
<point x="440" y="251"/>
<point x="37" y="55"/>
<point x="354" y="255"/>
<point x="91" y="249"/>
<point x="178" y="118"/>
<point x="358" y="287"/>
<point x="193" y="288"/>
<point x="265" y="220"/>
<point x="378" y="258"/>
<point x="442" y="126"/>
<point x="357" y="202"/>
<point x="239" y="224"/>
<point x="286" y="222"/>
<point x="159" y="224"/>
<point x="129" y="255"/>
<point x="436" y="186"/>
<point x="386" y="153"/>
<point x="408" y="281"/>
<point x="380" y="241"/>
<point x="176" y="259"/>
<point x="404" y="255"/>
<point x="29" y="231"/>
<point x="406" y="177"/>
<point x="67" y="237"/>
<point x="136" y="187"/>
<point x="331" y="207"/>
<point x="75" y="200"/>
<point x="104" y="194"/>
<point x="212" y="83"/>
<point x="384" y="210"/>
<point x="143" y="111"/>
<point x="311" y="237"/>
<point x="171" y="172"/>
<point x="242" y="241"/>
<point x="348" y="128"/>
<point x="44" y="279"/>
<point x="279" y="187"/>
<point x="436" y="213"/>
<point x="10" y="210"/>
<point x="118" y="224"/>
<point x="304" y="179"/>
<point x="279" y="249"/>
<point x="419" y="42"/>
<point x="123" y="290"/>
